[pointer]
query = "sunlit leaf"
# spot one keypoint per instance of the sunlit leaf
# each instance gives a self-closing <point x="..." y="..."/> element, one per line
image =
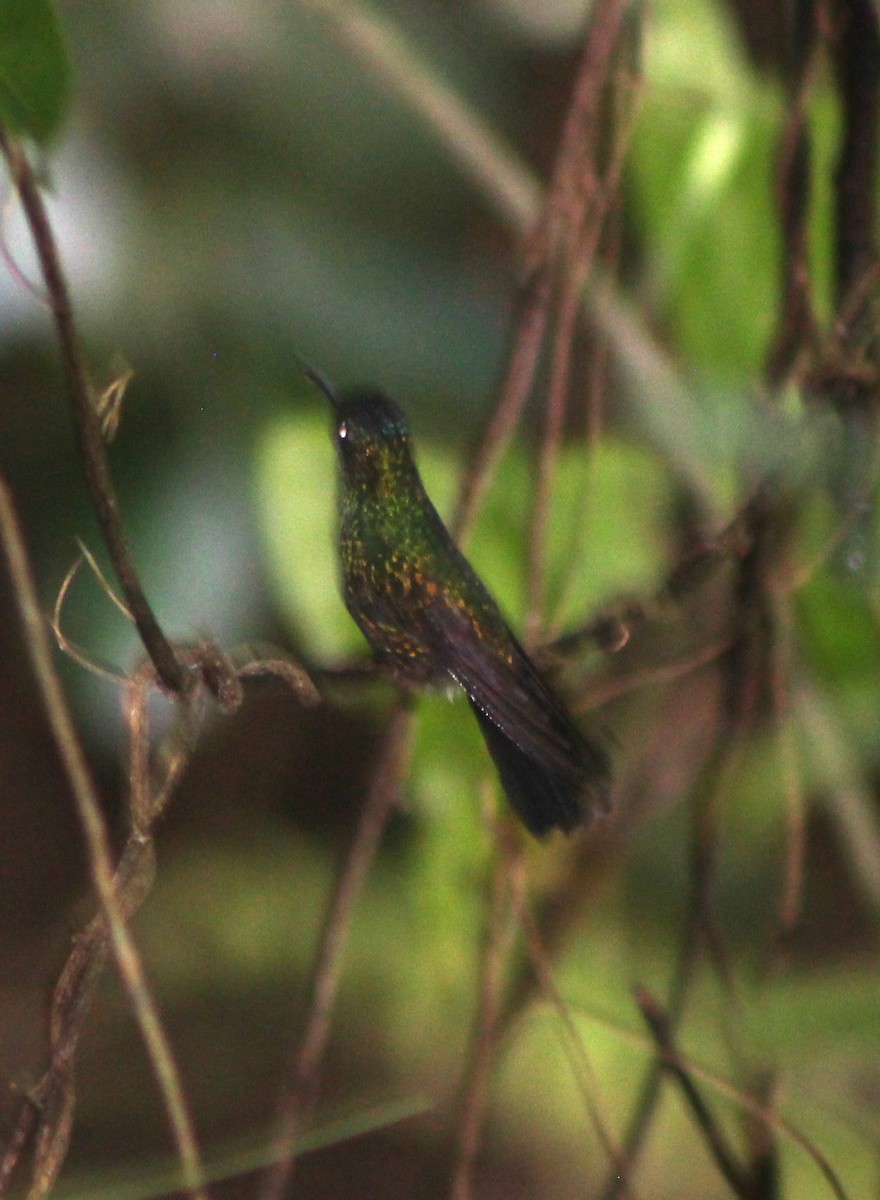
<point x="607" y="531"/>
<point x="702" y="139"/>
<point x="296" y="496"/>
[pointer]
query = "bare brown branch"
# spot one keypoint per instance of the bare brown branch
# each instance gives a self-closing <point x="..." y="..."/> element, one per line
<point x="301" y="1085"/>
<point x="88" y="423"/>
<point x="569" y="193"/>
<point x="581" y="1065"/>
<point x="507" y="887"/>
<point x="858" y="72"/>
<point x="113" y="911"/>
<point x="728" y="1163"/>
<point x="580" y="243"/>
<point x="796" y="333"/>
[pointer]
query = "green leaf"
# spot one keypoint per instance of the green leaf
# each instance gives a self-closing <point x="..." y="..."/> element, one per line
<point x="499" y="545"/>
<point x="703" y="138"/>
<point x="607" y="535"/>
<point x="34" y="68"/>
<point x="296" y="500"/>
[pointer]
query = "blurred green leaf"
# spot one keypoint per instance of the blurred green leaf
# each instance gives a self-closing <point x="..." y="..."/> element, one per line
<point x="839" y="623"/>
<point x="296" y="498"/>
<point x="34" y="68"/>
<point x="608" y="529"/>
<point x="498" y="547"/>
<point x="706" y="133"/>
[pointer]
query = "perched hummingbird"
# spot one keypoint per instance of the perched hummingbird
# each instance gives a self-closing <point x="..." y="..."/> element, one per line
<point x="428" y="616"/>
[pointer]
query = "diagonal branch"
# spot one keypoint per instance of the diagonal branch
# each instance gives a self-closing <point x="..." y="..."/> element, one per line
<point x="567" y="199"/>
<point x="508" y="886"/>
<point x="731" y="1168"/>
<point x="128" y="960"/>
<point x="301" y="1084"/>
<point x="171" y="671"/>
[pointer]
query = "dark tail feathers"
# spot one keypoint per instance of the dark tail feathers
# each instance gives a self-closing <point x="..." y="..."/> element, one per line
<point x="547" y="795"/>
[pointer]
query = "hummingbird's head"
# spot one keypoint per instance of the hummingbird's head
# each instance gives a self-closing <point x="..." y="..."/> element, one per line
<point x="369" y="425"/>
<point x="369" y="418"/>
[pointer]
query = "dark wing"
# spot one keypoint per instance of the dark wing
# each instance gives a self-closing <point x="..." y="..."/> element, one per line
<point x="552" y="774"/>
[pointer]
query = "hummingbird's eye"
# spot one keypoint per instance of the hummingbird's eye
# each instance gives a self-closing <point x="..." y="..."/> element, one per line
<point x="343" y="431"/>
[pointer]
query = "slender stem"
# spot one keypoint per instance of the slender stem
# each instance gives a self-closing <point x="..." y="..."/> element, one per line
<point x="794" y="861"/>
<point x="582" y="1067"/>
<point x="300" y="1088"/>
<point x="726" y="1160"/>
<point x="565" y="201"/>
<point x="493" y="165"/>
<point x="858" y="70"/>
<point x="508" y="885"/>
<point x="796" y="331"/>
<point x="851" y="806"/>
<point x="580" y="247"/>
<point x="16" y="1144"/>
<point x="531" y="324"/>
<point x="92" y="449"/>
<point x="131" y="968"/>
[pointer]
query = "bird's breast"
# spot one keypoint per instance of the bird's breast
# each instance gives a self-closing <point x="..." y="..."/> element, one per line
<point x="385" y="593"/>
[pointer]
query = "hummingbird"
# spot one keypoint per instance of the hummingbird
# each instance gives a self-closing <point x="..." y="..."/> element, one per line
<point x="428" y="617"/>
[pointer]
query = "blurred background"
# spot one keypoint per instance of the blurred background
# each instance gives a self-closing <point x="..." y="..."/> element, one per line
<point x="236" y="190"/>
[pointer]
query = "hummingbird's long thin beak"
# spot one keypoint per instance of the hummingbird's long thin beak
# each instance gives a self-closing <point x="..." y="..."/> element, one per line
<point x="321" y="381"/>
